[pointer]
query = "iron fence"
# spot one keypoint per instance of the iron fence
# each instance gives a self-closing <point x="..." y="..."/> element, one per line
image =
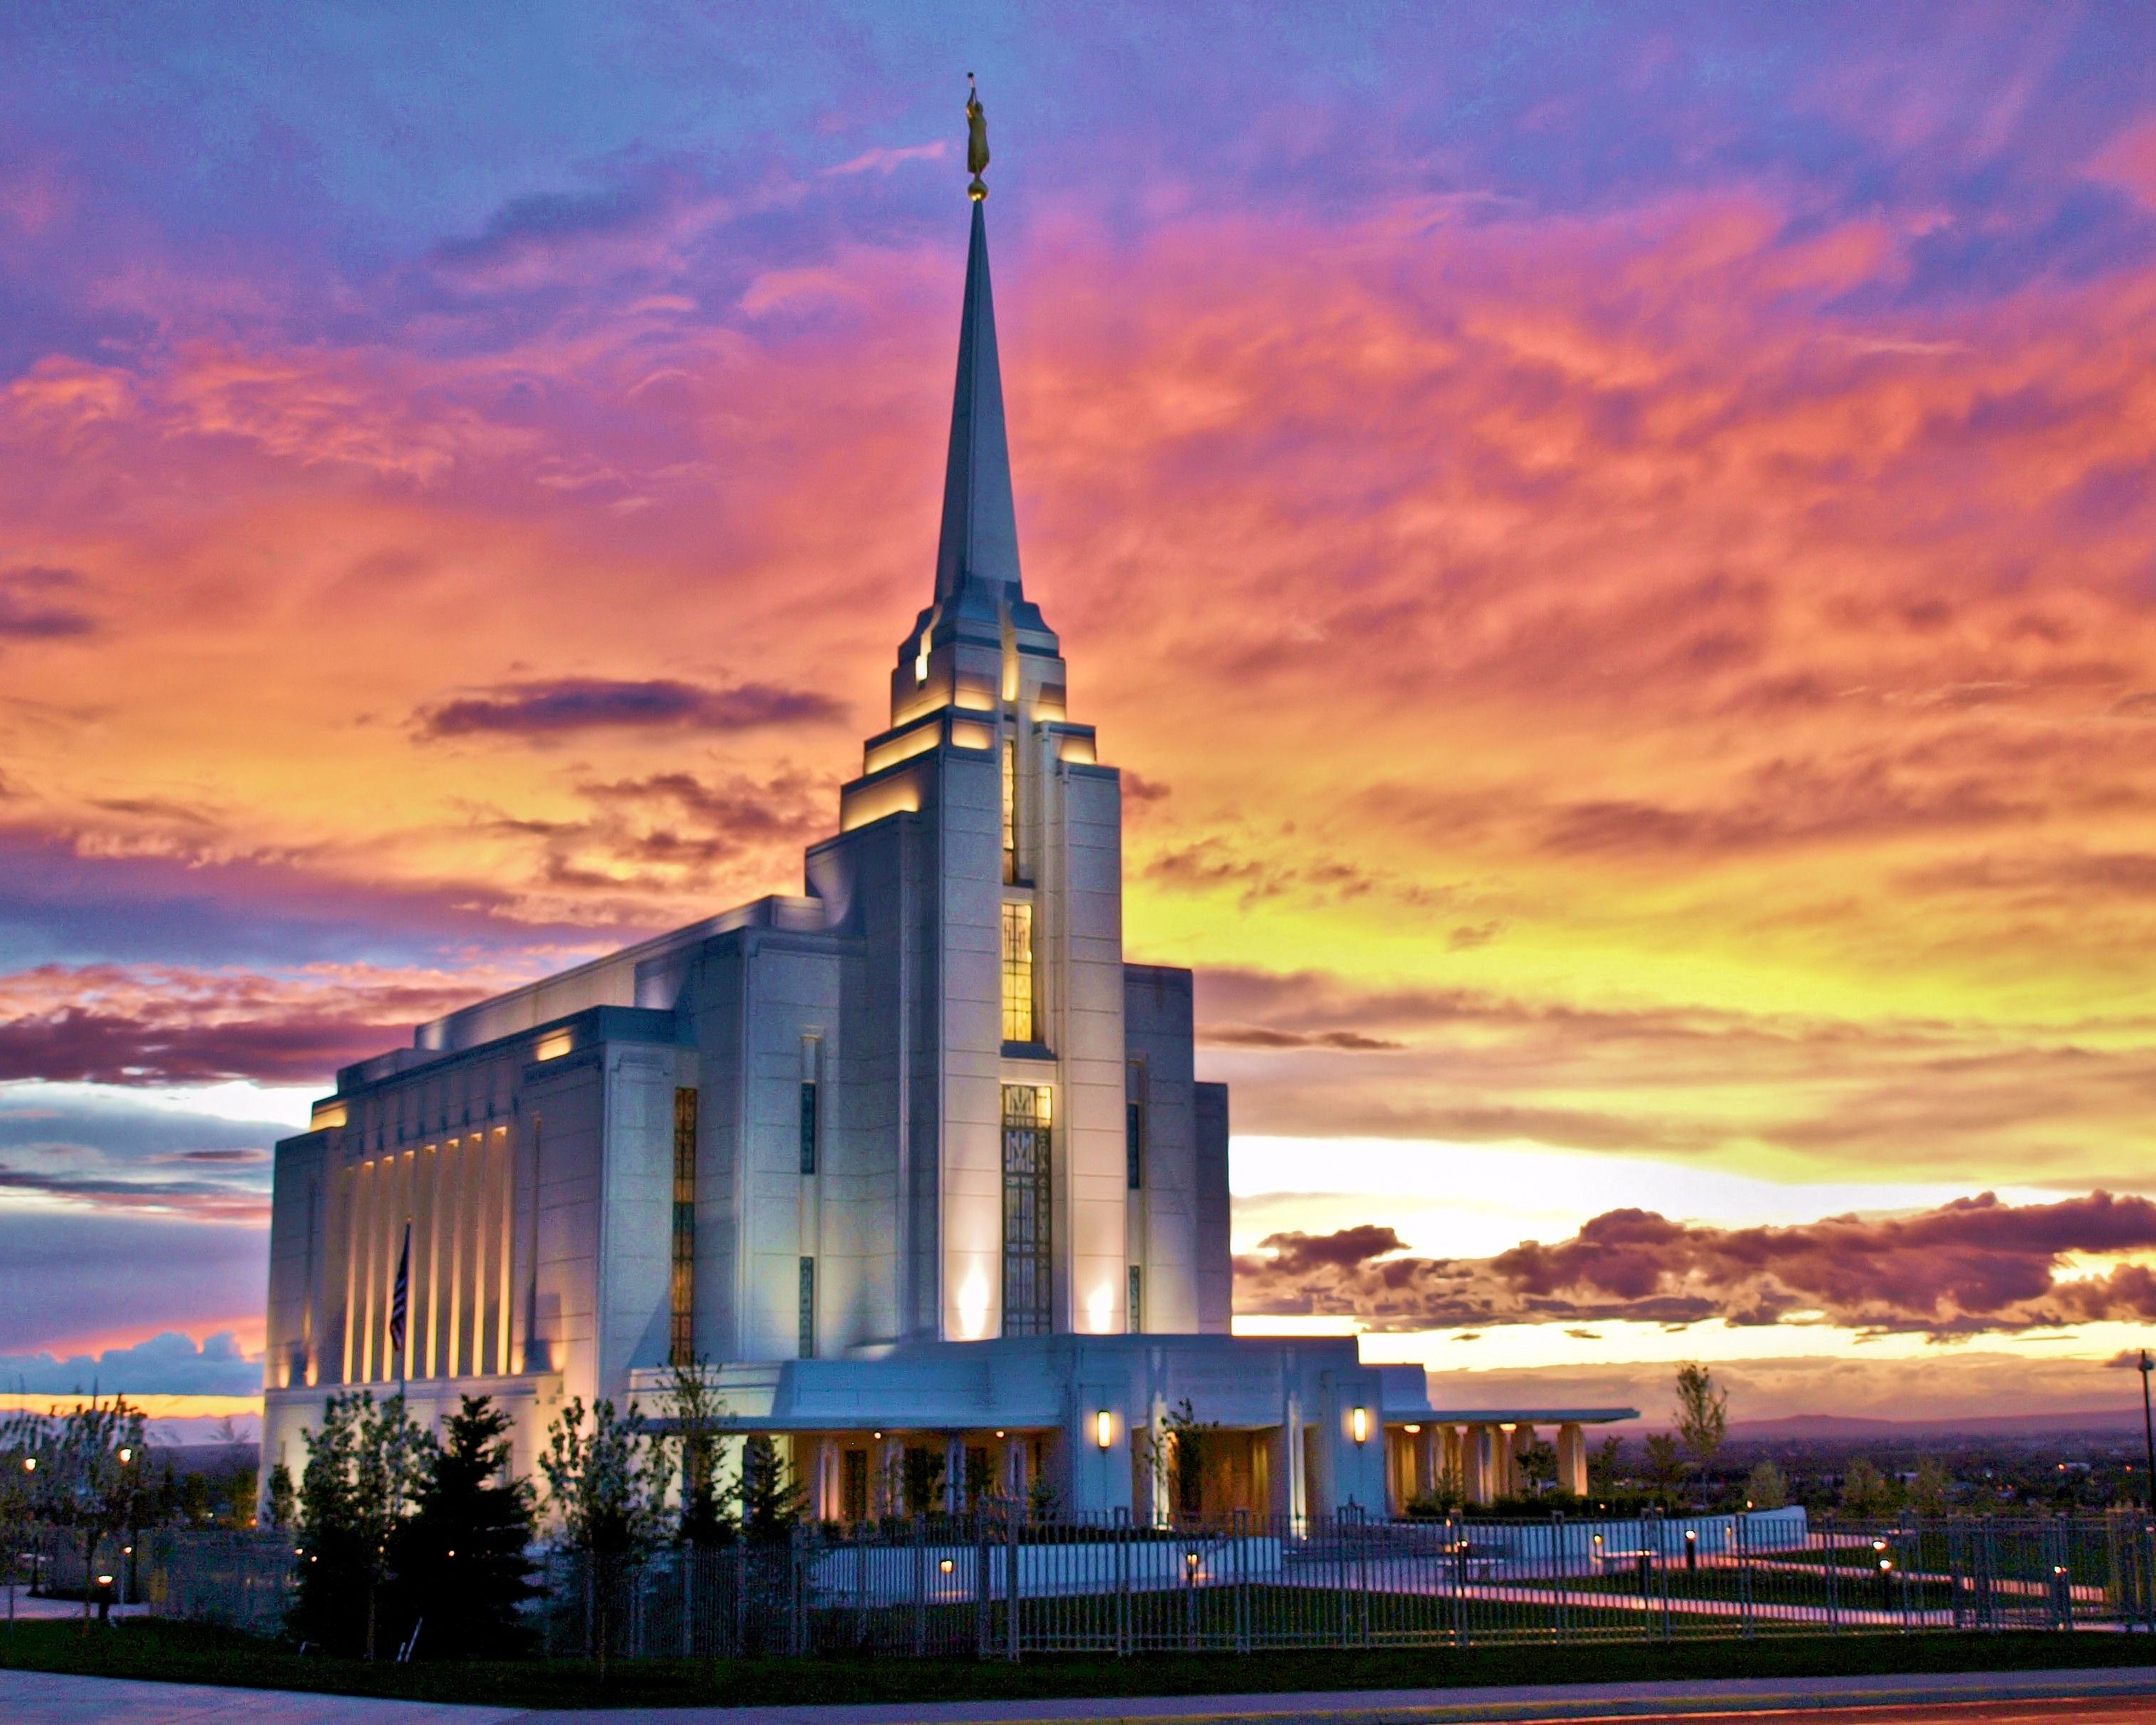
<point x="999" y="1585"/>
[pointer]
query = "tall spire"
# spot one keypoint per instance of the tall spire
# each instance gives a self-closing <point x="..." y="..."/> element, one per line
<point x="979" y="541"/>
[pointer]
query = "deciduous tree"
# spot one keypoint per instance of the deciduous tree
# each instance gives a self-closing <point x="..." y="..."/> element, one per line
<point x="362" y="1468"/>
<point x="99" y="1459"/>
<point x="607" y="1490"/>
<point x="1702" y="1413"/>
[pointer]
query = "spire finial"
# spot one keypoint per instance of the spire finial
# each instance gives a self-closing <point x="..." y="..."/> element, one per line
<point x="977" y="140"/>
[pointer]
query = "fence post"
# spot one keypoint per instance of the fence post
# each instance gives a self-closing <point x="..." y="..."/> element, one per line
<point x="982" y="1596"/>
<point x="920" y="1587"/>
<point x="1662" y="1573"/>
<point x="1456" y="1542"/>
<point x="1011" y="1646"/>
<point x="740" y="1598"/>
<point x="1122" y="1534"/>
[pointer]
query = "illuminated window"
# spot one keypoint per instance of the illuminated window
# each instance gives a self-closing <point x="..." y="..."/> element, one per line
<point x="921" y="660"/>
<point x="808" y="1308"/>
<point x="808" y="1127"/>
<point x="682" y="1348"/>
<point x="1010" y="809"/>
<point x="1027" y="1265"/>
<point x="1018" y="973"/>
<point x="1134" y="1318"/>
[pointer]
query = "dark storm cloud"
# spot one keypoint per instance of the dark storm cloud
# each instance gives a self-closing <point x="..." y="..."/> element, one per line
<point x="87" y="1047"/>
<point x="1972" y="1266"/>
<point x="39" y="603"/>
<point x="572" y="704"/>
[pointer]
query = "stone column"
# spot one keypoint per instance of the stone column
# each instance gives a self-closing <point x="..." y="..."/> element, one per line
<point x="1426" y="1455"/>
<point x="1483" y="1462"/>
<point x="887" y="1489"/>
<point x="954" y="1474"/>
<point x="1455" y="1460"/>
<point x="1572" y="1459"/>
<point x="828" y="1506"/>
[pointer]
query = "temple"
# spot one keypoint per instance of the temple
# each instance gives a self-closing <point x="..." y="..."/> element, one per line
<point x="912" y="1160"/>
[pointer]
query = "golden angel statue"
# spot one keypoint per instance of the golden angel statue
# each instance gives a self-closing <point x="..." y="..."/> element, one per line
<point x="977" y="140"/>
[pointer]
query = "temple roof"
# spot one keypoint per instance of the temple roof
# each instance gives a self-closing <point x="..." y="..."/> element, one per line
<point x="979" y="541"/>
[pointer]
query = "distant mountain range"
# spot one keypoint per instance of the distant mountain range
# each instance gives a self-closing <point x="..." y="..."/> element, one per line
<point x="1834" y="1428"/>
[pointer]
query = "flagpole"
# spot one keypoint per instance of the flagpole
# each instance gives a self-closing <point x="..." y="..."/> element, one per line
<point x="400" y="1311"/>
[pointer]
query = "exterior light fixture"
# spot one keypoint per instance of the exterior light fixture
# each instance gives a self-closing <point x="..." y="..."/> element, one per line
<point x="998" y="1434"/>
<point x="1691" y="1534"/>
<point x="945" y="1566"/>
<point x="1412" y="1430"/>
<point x="1104" y="1428"/>
<point x="29" y="1464"/>
<point x="1358" y="1422"/>
<point x="105" y="1581"/>
<point x="126" y="1455"/>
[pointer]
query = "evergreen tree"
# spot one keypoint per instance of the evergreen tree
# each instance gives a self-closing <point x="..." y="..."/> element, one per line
<point x="697" y="1410"/>
<point x="284" y="1502"/>
<point x="362" y="1467"/>
<point x="771" y="1500"/>
<point x="459" y="1570"/>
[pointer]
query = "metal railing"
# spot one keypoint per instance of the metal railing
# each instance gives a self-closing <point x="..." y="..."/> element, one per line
<point x="999" y="1585"/>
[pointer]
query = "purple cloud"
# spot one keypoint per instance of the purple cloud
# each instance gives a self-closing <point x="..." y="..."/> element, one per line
<point x="571" y="704"/>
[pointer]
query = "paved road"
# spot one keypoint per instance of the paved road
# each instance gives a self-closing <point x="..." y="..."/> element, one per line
<point x="2108" y="1698"/>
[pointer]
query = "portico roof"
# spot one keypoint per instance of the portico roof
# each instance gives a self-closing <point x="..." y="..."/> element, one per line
<point x="1518" y="1416"/>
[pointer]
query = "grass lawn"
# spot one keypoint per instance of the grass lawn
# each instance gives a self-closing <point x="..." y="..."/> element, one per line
<point x="192" y="1653"/>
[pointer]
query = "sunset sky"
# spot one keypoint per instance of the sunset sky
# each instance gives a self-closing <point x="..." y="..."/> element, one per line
<point x="1615" y="548"/>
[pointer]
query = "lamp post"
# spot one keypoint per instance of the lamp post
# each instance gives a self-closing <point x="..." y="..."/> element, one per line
<point x="2148" y="1427"/>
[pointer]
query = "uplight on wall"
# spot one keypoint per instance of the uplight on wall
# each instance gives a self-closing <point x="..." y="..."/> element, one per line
<point x="1104" y="1429"/>
<point x="553" y="1046"/>
<point x="1358" y="1423"/>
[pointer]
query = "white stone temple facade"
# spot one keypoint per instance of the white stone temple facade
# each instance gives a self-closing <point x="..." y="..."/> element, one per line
<point x="914" y="1158"/>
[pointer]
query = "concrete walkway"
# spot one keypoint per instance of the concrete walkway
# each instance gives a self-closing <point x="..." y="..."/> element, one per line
<point x="38" y="1698"/>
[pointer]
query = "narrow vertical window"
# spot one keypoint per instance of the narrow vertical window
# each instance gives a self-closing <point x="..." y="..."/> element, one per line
<point x="808" y="1125"/>
<point x="1027" y="1262"/>
<point x="1134" y="1314"/>
<point x="1018" y="973"/>
<point x="1134" y="1139"/>
<point x="1010" y="809"/>
<point x="682" y="1338"/>
<point x="808" y="1308"/>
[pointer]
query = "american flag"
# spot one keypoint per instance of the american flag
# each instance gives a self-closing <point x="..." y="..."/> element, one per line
<point x="400" y="1295"/>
